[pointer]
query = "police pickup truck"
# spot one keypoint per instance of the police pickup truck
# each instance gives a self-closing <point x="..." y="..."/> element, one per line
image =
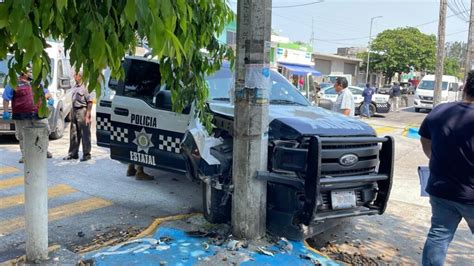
<point x="322" y="166"/>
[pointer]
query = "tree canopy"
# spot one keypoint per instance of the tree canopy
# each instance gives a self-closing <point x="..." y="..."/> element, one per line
<point x="395" y="50"/>
<point x="98" y="33"/>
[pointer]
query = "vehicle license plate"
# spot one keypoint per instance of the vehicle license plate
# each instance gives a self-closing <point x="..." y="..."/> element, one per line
<point x="4" y="126"/>
<point x="343" y="199"/>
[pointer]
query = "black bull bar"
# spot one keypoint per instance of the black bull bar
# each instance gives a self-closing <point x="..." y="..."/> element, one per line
<point x="314" y="184"/>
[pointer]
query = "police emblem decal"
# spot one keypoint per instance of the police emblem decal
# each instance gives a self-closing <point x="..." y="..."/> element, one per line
<point x="143" y="140"/>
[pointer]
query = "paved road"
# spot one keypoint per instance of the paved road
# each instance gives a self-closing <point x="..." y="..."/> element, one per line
<point x="398" y="235"/>
<point x="92" y="197"/>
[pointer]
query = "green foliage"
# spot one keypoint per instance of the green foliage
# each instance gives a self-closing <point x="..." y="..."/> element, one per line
<point x="452" y="67"/>
<point x="396" y="49"/>
<point x="98" y="33"/>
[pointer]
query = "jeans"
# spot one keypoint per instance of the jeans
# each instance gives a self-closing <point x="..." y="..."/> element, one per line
<point x="366" y="109"/>
<point x="445" y="219"/>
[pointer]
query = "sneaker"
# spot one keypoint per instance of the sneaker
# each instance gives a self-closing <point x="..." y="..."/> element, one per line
<point x="49" y="155"/>
<point x="22" y="160"/>
<point x="86" y="158"/>
<point x="143" y="176"/>
<point x="71" y="157"/>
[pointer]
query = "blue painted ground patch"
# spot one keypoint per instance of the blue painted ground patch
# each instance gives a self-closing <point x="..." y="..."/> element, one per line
<point x="174" y="247"/>
<point x="412" y="132"/>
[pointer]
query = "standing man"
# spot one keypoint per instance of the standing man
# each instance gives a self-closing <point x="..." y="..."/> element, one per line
<point x="396" y="92"/>
<point x="345" y="100"/>
<point x="24" y="109"/>
<point x="367" y="94"/>
<point x="447" y="137"/>
<point x="80" y="121"/>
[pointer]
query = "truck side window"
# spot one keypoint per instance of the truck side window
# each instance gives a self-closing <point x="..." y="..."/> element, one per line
<point x="142" y="80"/>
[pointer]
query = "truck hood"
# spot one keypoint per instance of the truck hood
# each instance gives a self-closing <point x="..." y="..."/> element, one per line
<point x="291" y="122"/>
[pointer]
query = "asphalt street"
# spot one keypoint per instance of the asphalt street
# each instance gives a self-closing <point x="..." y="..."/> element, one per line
<point x="91" y="198"/>
<point x="87" y="198"/>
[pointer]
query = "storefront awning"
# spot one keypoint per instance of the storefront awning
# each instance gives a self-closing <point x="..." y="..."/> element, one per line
<point x="300" y="69"/>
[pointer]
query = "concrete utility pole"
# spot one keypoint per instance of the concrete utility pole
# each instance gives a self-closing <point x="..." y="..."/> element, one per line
<point x="370" y="47"/>
<point x="470" y="42"/>
<point x="251" y="117"/>
<point x="36" y="193"/>
<point x="440" y="53"/>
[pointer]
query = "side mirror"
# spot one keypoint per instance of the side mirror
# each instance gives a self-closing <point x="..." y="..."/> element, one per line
<point x="64" y="83"/>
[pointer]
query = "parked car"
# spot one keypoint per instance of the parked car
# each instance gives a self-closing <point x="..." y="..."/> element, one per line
<point x="385" y="89"/>
<point x="59" y="88"/>
<point x="380" y="103"/>
<point x="322" y="166"/>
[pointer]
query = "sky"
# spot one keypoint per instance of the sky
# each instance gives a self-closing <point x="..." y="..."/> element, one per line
<point x="336" y="21"/>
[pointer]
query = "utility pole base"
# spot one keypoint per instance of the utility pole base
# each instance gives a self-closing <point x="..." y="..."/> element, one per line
<point x="36" y="193"/>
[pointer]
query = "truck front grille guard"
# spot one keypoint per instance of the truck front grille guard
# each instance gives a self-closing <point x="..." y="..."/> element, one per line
<point x="313" y="182"/>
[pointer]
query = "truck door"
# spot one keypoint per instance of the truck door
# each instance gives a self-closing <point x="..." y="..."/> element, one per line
<point x="144" y="129"/>
<point x="453" y="91"/>
<point x="104" y="110"/>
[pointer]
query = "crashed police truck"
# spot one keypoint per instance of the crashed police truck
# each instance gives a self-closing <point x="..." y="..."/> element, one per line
<point x="322" y="166"/>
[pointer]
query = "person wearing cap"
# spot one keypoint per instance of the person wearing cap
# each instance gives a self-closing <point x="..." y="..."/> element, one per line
<point x="395" y="93"/>
<point x="24" y="109"/>
<point x="80" y="121"/>
<point x="345" y="100"/>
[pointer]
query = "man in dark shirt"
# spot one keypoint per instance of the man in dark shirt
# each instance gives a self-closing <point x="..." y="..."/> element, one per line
<point x="367" y="94"/>
<point x="395" y="93"/>
<point x="447" y="137"/>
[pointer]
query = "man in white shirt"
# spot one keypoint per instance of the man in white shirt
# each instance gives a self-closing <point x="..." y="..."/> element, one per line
<point x="345" y="100"/>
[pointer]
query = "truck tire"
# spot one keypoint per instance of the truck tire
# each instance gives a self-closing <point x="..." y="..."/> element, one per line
<point x="211" y="203"/>
<point x="372" y="109"/>
<point x="417" y="110"/>
<point x="58" y="131"/>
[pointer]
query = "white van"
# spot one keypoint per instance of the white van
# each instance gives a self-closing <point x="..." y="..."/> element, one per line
<point x="425" y="91"/>
<point x="59" y="88"/>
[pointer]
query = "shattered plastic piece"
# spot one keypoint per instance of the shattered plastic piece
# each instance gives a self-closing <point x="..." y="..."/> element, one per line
<point x="162" y="248"/>
<point x="310" y="258"/>
<point x="205" y="245"/>
<point x="283" y="243"/>
<point x="263" y="251"/>
<point x="80" y="234"/>
<point x="234" y="245"/>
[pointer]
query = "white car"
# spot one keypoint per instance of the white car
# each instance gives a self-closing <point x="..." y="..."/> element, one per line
<point x="380" y="103"/>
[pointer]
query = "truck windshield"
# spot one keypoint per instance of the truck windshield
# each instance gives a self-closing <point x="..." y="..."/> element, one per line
<point x="282" y="91"/>
<point x="429" y="85"/>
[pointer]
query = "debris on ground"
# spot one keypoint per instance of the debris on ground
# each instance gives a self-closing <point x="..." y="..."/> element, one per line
<point x="263" y="251"/>
<point x="110" y="237"/>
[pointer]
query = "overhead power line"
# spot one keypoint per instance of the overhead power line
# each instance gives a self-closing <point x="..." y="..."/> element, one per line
<point x="298" y="5"/>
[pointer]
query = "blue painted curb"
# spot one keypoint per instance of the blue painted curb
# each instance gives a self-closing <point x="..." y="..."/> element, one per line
<point x="412" y="132"/>
<point x="171" y="246"/>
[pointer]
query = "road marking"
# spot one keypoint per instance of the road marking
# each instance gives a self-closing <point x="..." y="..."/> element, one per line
<point x="8" y="169"/>
<point x="11" y="182"/>
<point x="53" y="192"/>
<point x="57" y="213"/>
<point x="383" y="130"/>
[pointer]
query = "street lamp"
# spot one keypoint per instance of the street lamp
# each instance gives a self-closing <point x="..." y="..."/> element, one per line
<point x="370" y="46"/>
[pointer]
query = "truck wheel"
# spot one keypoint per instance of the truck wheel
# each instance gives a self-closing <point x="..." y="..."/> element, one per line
<point x="211" y="203"/>
<point x="58" y="130"/>
<point x="417" y="110"/>
<point x="372" y="109"/>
